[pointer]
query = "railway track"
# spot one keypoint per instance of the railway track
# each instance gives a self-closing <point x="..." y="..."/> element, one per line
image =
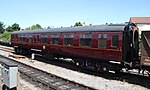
<point x="134" y="78"/>
<point x="127" y="77"/>
<point x="46" y="80"/>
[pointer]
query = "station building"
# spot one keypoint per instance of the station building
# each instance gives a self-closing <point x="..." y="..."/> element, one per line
<point x="143" y="23"/>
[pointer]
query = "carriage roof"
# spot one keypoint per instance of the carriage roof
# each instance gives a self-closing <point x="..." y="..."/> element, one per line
<point x="93" y="28"/>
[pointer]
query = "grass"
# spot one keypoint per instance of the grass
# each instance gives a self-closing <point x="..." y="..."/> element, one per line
<point x="6" y="36"/>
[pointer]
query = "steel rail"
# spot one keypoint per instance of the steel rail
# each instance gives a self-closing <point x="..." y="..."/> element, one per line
<point x="45" y="79"/>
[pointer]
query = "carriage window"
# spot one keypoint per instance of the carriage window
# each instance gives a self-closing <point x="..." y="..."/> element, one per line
<point x="102" y="41"/>
<point x="115" y="40"/>
<point x="54" y="38"/>
<point x="68" y="39"/>
<point x="105" y="36"/>
<point x="86" y="40"/>
<point x="22" y="38"/>
<point x="100" y="36"/>
<point x="44" y="38"/>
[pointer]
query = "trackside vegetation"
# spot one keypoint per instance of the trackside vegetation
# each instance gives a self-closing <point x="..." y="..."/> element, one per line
<point x="5" y="37"/>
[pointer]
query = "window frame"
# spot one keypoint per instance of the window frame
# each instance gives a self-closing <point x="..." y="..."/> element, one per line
<point x="85" y="36"/>
<point x="102" y="36"/>
<point x="68" y="36"/>
<point x="112" y="40"/>
<point x="44" y="36"/>
<point x="22" y="38"/>
<point x="54" y="36"/>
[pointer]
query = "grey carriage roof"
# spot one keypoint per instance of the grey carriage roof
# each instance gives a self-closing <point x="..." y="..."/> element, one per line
<point x="93" y="28"/>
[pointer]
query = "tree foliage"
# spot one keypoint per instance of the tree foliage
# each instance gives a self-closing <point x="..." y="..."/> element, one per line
<point x="78" y="24"/>
<point x="14" y="27"/>
<point x="34" y="27"/>
<point x="9" y="29"/>
<point x="2" y="27"/>
<point x="82" y="24"/>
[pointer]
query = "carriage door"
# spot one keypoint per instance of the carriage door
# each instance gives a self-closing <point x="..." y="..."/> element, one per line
<point x="36" y="38"/>
<point x="36" y="41"/>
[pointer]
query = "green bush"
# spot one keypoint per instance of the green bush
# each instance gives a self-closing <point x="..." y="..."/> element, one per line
<point x="6" y="36"/>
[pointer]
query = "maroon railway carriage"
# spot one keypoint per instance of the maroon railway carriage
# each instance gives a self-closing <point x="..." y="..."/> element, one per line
<point x="103" y="47"/>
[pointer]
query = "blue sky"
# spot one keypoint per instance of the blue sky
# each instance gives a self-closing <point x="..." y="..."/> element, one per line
<point x="65" y="13"/>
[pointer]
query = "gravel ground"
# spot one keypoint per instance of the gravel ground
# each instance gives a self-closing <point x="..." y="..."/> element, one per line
<point x="89" y="80"/>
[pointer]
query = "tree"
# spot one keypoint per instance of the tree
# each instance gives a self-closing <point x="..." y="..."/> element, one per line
<point x="78" y="24"/>
<point x="9" y="29"/>
<point x="15" y="27"/>
<point x="2" y="27"/>
<point x="36" y="27"/>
